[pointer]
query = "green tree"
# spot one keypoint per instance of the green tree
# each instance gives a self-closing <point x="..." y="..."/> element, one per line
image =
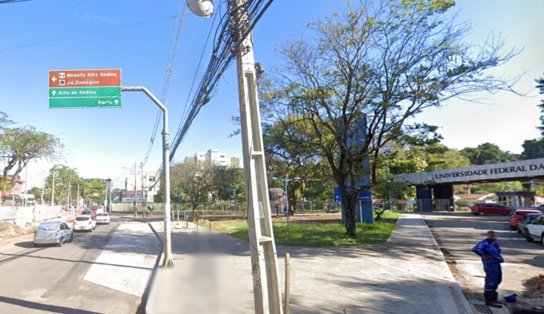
<point x="414" y="157"/>
<point x="194" y="180"/>
<point x="94" y="191"/>
<point x="20" y="145"/>
<point x="228" y="183"/>
<point x="387" y="61"/>
<point x="533" y="149"/>
<point x="287" y="158"/>
<point x="4" y="121"/>
<point x="36" y="192"/>
<point x="66" y="182"/>
<point x="116" y="194"/>
<point x="487" y="153"/>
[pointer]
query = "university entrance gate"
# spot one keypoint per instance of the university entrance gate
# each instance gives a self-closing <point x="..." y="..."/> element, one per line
<point x="434" y="189"/>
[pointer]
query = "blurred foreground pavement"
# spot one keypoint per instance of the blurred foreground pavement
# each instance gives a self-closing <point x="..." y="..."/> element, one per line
<point x="408" y="274"/>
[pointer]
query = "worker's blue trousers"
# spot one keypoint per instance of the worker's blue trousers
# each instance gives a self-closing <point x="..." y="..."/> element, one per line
<point x="493" y="278"/>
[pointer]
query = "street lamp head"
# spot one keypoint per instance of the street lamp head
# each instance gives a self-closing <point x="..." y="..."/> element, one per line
<point x="202" y="8"/>
<point x="275" y="178"/>
<point x="296" y="178"/>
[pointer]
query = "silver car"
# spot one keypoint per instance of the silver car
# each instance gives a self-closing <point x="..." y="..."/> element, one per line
<point x="53" y="232"/>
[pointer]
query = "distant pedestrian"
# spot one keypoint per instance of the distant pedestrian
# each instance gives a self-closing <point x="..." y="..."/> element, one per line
<point x="490" y="252"/>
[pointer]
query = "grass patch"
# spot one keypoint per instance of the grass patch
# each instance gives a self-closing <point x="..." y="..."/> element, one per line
<point x="316" y="234"/>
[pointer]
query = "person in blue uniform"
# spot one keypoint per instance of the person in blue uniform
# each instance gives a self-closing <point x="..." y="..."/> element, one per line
<point x="490" y="252"/>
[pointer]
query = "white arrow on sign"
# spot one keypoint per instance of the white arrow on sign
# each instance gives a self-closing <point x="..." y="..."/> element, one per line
<point x="54" y="79"/>
<point x="54" y="92"/>
<point x="116" y="101"/>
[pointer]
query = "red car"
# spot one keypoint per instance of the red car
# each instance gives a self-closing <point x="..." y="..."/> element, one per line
<point x="519" y="214"/>
<point x="491" y="209"/>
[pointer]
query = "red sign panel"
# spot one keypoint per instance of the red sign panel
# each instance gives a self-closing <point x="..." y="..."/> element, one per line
<point x="85" y="78"/>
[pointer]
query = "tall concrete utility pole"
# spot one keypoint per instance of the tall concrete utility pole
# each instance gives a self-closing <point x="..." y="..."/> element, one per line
<point x="266" y="290"/>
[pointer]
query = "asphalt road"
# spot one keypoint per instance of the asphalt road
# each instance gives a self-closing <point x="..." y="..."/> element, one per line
<point x="457" y="234"/>
<point x="50" y="279"/>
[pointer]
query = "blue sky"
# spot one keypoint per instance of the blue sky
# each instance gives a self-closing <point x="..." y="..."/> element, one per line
<point x="37" y="36"/>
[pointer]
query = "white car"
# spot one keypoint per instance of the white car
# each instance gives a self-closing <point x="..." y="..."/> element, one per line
<point x="84" y="223"/>
<point x="103" y="218"/>
<point x="535" y="230"/>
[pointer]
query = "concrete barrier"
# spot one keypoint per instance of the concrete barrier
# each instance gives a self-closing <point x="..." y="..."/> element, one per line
<point x="8" y="213"/>
<point x="23" y="216"/>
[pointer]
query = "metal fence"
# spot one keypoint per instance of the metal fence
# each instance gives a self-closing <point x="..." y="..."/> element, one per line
<point x="316" y="207"/>
<point x="226" y="207"/>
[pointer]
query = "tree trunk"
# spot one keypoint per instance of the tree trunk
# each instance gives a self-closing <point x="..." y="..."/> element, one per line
<point x="348" y="207"/>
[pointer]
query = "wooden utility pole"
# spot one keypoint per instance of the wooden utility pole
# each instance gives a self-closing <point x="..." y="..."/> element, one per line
<point x="267" y="297"/>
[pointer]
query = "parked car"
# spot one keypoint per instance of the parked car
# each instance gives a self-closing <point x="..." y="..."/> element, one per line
<point x="535" y="230"/>
<point x="103" y="218"/>
<point x="491" y="209"/>
<point x="519" y="214"/>
<point x="522" y="225"/>
<point x="53" y="232"/>
<point x="84" y="223"/>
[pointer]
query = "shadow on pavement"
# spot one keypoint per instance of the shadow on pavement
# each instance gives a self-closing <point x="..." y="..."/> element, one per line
<point x="25" y="244"/>
<point x="43" y="307"/>
<point x="27" y="255"/>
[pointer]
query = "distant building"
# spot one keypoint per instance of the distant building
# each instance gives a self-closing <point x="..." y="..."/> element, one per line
<point x="472" y="199"/>
<point x="16" y="190"/>
<point x="235" y="162"/>
<point x="147" y="186"/>
<point x="15" y="193"/>
<point x="215" y="156"/>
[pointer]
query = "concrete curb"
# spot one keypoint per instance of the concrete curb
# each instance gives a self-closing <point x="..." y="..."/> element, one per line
<point x="460" y="299"/>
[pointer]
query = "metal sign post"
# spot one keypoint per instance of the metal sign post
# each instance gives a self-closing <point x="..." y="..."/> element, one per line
<point x="167" y="259"/>
<point x="266" y="291"/>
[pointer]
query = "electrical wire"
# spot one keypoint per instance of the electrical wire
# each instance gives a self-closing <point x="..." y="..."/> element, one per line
<point x="228" y="41"/>
<point x="177" y="32"/>
<point x="227" y="45"/>
<point x="12" y="1"/>
<point x="84" y="34"/>
<point x="186" y="107"/>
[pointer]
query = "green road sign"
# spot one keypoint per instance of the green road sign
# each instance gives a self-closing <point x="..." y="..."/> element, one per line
<point x="85" y="88"/>
<point x="78" y="97"/>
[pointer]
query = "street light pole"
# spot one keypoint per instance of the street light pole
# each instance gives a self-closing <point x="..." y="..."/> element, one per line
<point x="286" y="189"/>
<point x="167" y="260"/>
<point x="69" y="192"/>
<point x="135" y="202"/>
<point x="53" y="189"/>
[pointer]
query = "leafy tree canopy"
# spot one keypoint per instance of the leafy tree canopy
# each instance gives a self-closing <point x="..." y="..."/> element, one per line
<point x="487" y="153"/>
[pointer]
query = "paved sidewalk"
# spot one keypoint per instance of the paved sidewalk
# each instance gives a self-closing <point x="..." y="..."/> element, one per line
<point x="408" y="274"/>
<point x="126" y="262"/>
